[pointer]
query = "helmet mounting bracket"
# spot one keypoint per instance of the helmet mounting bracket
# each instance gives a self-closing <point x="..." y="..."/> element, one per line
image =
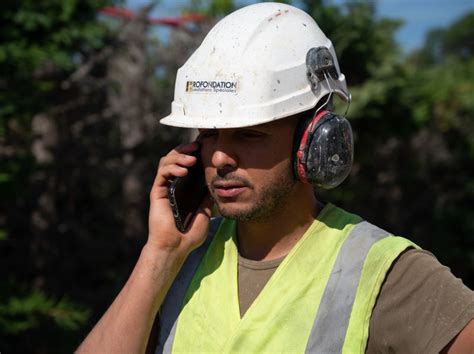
<point x="320" y="65"/>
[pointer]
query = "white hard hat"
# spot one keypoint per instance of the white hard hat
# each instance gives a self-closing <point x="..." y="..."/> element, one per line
<point x="252" y="68"/>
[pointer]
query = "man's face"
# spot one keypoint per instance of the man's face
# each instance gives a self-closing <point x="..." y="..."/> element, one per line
<point x="248" y="170"/>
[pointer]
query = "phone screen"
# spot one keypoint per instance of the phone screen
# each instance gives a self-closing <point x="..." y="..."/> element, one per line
<point x="186" y="194"/>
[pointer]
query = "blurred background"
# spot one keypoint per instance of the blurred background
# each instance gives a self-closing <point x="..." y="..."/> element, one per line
<point x="83" y="83"/>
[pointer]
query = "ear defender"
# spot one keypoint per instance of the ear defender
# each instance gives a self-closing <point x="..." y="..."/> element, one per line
<point x="323" y="148"/>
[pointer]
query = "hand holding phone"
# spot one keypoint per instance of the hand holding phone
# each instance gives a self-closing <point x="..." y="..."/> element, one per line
<point x="186" y="193"/>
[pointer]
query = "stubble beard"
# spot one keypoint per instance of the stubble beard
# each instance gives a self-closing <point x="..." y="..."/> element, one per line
<point x="269" y="200"/>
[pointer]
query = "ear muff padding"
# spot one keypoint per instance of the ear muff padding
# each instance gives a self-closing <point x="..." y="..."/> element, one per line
<point x="323" y="150"/>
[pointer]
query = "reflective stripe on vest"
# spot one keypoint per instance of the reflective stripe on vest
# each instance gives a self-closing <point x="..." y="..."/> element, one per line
<point x="330" y="326"/>
<point x="335" y="328"/>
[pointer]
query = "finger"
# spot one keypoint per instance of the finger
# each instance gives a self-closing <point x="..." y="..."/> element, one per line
<point x="168" y="173"/>
<point x="186" y="148"/>
<point x="171" y="167"/>
<point x="176" y="159"/>
<point x="181" y="155"/>
<point x="159" y="189"/>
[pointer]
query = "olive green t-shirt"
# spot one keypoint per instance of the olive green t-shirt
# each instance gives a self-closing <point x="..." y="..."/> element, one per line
<point x="421" y="307"/>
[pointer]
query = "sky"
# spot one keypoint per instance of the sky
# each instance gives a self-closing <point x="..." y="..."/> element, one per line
<point x="419" y="16"/>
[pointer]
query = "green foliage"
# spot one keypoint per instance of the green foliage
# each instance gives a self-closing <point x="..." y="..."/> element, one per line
<point x="214" y="8"/>
<point x="42" y="319"/>
<point x="220" y="7"/>
<point x="18" y="315"/>
<point x="37" y="29"/>
<point x="458" y="40"/>
<point x="363" y="43"/>
<point x="444" y="95"/>
<point x="455" y="41"/>
<point x="39" y="43"/>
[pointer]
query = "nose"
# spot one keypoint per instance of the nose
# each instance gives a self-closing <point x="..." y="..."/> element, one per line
<point x="224" y="157"/>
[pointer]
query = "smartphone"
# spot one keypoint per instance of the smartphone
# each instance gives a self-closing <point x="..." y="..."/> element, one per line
<point x="186" y="193"/>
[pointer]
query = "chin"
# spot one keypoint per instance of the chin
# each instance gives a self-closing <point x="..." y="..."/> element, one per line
<point x="228" y="211"/>
<point x="242" y="214"/>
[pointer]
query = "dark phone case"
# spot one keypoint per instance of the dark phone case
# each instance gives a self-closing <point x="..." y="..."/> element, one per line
<point x="174" y="206"/>
<point x="186" y="194"/>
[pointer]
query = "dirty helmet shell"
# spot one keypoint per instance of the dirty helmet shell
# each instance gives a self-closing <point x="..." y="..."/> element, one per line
<point x="251" y="69"/>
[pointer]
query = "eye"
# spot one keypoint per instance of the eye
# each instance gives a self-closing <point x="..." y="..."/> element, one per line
<point x="251" y="134"/>
<point x="207" y="133"/>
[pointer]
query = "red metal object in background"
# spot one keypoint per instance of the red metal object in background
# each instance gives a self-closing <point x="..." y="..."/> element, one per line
<point x="164" y="21"/>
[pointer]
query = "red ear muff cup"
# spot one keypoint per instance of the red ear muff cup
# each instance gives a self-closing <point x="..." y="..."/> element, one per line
<point x="303" y="138"/>
<point x="323" y="150"/>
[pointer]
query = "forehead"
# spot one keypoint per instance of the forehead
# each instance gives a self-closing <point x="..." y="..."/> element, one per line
<point x="284" y="125"/>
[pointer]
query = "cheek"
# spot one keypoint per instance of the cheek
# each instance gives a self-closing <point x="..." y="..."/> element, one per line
<point x="206" y="155"/>
<point x="266" y="159"/>
<point x="209" y="174"/>
<point x="280" y="172"/>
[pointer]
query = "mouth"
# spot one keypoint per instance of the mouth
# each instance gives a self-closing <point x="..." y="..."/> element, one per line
<point x="228" y="189"/>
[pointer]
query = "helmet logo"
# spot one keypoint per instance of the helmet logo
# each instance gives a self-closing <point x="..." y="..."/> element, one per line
<point x="211" y="86"/>
<point x="189" y="86"/>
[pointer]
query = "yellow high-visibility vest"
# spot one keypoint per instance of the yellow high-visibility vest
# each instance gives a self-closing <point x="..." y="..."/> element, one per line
<point x="319" y="300"/>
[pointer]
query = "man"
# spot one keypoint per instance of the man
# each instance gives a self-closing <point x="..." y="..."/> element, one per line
<point x="281" y="271"/>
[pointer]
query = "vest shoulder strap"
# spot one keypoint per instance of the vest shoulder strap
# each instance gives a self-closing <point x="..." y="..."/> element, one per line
<point x="330" y="325"/>
<point x="168" y="315"/>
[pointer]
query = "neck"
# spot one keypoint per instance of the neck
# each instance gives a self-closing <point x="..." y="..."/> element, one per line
<point x="275" y="236"/>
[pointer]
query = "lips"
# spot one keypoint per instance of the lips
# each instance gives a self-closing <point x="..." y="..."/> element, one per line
<point x="228" y="189"/>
